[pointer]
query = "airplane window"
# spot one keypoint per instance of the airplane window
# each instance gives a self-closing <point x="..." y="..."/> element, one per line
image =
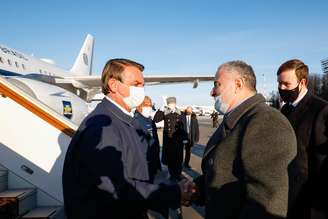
<point x="40" y="71"/>
<point x="9" y="62"/>
<point x="23" y="66"/>
<point x="1" y="60"/>
<point x="16" y="63"/>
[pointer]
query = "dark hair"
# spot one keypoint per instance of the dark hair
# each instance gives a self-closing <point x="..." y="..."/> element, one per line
<point x="301" y="70"/>
<point x="244" y="70"/>
<point x="114" y="69"/>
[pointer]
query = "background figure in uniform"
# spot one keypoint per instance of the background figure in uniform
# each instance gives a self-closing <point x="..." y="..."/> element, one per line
<point x="143" y="116"/>
<point x="192" y="129"/>
<point x="173" y="136"/>
<point x="214" y="116"/>
<point x="308" y="115"/>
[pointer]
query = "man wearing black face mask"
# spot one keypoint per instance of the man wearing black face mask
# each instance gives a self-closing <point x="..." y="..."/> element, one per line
<point x="308" y="115"/>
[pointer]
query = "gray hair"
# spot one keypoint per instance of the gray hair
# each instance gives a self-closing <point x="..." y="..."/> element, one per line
<point x="244" y="70"/>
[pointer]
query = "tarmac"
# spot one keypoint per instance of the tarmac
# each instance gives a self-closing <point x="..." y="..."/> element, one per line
<point x="193" y="212"/>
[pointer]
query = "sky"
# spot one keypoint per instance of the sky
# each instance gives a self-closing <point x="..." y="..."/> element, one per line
<point x="173" y="37"/>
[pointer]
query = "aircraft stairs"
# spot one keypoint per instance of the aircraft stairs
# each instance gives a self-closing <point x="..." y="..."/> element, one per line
<point x="33" y="143"/>
<point x="22" y="202"/>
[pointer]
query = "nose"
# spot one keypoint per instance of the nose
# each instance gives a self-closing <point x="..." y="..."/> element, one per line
<point x="213" y="92"/>
<point x="282" y="87"/>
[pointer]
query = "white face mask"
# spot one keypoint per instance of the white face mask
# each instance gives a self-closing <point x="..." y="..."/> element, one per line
<point x="146" y="111"/>
<point x="220" y="106"/>
<point x="171" y="106"/>
<point x="137" y="95"/>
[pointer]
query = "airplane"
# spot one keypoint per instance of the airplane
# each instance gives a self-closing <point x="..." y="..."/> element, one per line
<point x="68" y="92"/>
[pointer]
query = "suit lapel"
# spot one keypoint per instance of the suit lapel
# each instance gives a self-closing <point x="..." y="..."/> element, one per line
<point x="298" y="113"/>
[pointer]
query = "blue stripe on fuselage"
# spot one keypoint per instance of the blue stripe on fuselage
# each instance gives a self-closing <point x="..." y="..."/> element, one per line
<point x="9" y="73"/>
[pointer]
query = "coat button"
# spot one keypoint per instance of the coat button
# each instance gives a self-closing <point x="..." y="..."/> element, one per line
<point x="210" y="162"/>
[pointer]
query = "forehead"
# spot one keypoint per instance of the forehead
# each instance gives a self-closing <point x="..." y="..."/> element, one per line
<point x="132" y="74"/>
<point x="287" y="76"/>
<point x="147" y="102"/>
<point x="223" y="75"/>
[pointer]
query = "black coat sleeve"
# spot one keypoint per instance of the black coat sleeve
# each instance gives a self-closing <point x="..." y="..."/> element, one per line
<point x="321" y="132"/>
<point x="200" y="199"/>
<point x="159" y="116"/>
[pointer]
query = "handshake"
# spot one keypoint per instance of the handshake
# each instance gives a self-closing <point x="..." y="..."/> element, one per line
<point x="189" y="192"/>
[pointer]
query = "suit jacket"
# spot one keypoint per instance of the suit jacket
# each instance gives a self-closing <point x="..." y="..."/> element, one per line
<point x="310" y="121"/>
<point x="193" y="135"/>
<point x="105" y="171"/>
<point x="245" y="164"/>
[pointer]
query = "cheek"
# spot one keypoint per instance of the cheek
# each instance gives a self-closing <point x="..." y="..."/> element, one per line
<point x="228" y="95"/>
<point x="124" y="91"/>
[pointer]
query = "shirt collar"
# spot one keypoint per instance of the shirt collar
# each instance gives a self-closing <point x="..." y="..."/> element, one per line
<point x="299" y="98"/>
<point x="120" y="107"/>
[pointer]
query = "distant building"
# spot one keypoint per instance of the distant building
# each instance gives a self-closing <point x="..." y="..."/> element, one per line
<point x="324" y="66"/>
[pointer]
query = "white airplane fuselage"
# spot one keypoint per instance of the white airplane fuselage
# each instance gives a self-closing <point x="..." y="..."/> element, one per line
<point x="32" y="74"/>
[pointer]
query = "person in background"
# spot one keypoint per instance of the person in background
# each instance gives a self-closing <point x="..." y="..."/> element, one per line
<point x="143" y="116"/>
<point x="308" y="115"/>
<point x="215" y="116"/>
<point x="191" y="127"/>
<point x="173" y="137"/>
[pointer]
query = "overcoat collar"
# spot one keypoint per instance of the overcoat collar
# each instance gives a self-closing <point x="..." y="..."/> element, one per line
<point x="233" y="117"/>
<point x="230" y="120"/>
<point x="116" y="111"/>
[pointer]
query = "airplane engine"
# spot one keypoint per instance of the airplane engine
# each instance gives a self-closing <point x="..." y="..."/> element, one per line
<point x="58" y="99"/>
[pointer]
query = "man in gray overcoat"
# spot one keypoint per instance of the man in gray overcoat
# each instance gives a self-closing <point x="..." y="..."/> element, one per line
<point x="246" y="162"/>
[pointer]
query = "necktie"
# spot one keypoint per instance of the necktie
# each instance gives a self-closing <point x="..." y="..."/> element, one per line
<point x="287" y="109"/>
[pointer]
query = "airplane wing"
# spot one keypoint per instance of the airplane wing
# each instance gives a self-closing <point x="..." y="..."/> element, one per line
<point x="94" y="81"/>
<point x="88" y="86"/>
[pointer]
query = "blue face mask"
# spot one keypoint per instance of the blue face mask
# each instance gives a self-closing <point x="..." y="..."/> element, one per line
<point x="220" y="106"/>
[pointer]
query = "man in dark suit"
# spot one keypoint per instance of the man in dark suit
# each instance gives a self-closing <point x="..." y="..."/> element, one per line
<point x="173" y="137"/>
<point x="105" y="171"/>
<point x="245" y="162"/>
<point x="191" y="127"/>
<point x="308" y="115"/>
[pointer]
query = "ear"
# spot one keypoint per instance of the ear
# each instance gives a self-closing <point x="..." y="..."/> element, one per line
<point x="239" y="83"/>
<point x="304" y="82"/>
<point x="112" y="85"/>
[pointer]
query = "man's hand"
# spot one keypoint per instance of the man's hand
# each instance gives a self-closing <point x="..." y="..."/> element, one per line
<point x="189" y="192"/>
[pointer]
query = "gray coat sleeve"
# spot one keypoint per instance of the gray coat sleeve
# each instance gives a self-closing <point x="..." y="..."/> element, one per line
<point x="268" y="147"/>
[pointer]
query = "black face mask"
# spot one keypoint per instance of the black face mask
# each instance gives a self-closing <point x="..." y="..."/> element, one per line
<point x="289" y="95"/>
